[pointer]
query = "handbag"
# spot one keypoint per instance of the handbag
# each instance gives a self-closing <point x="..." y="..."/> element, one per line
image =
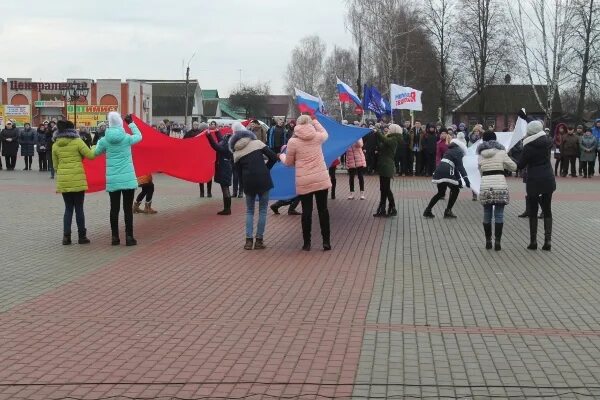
<point x="494" y="196"/>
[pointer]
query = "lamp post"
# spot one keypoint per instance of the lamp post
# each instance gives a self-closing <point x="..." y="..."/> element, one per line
<point x="72" y="94"/>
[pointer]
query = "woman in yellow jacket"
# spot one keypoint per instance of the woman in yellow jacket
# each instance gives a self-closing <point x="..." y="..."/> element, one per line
<point x="67" y="155"/>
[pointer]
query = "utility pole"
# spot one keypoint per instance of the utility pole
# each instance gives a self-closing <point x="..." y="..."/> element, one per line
<point x="187" y="81"/>
<point x="359" y="80"/>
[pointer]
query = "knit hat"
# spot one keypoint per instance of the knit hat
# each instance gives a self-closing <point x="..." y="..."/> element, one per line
<point x="534" y="127"/>
<point x="237" y="127"/>
<point x="489" y="135"/>
<point x="114" y="120"/>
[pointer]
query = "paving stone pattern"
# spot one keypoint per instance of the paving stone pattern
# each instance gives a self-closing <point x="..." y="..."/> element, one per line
<point x="401" y="308"/>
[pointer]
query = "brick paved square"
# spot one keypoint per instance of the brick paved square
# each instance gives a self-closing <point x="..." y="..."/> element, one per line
<point x="401" y="307"/>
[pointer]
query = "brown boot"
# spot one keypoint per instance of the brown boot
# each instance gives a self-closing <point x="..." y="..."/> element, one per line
<point x="148" y="208"/>
<point x="136" y="208"/>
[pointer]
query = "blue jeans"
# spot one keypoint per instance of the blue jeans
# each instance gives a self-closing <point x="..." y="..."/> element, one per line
<point x="73" y="201"/>
<point x="497" y="210"/>
<point x="263" y="205"/>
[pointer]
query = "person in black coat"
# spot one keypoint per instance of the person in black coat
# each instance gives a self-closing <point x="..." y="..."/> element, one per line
<point x="10" y="145"/>
<point x="540" y="181"/>
<point x="448" y="176"/>
<point x="41" y="144"/>
<point x="198" y="128"/>
<point x="249" y="155"/>
<point x="223" y="167"/>
<point x="27" y="143"/>
<point x="429" y="148"/>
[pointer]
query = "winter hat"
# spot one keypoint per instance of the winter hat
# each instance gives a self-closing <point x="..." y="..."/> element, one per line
<point x="394" y="128"/>
<point x="489" y="135"/>
<point x="114" y="120"/>
<point x="460" y="136"/>
<point x="534" y="127"/>
<point x="61" y="125"/>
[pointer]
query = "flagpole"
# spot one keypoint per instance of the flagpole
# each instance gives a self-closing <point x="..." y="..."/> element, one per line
<point x="341" y="111"/>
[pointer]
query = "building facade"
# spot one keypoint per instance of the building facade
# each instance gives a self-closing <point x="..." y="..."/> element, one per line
<point x="24" y="100"/>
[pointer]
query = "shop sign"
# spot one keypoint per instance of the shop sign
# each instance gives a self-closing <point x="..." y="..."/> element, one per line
<point x="19" y="114"/>
<point x="92" y="109"/>
<point x="49" y="103"/>
<point x="39" y="86"/>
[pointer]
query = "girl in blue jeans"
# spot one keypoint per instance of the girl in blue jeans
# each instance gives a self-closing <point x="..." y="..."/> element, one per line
<point x="493" y="195"/>
<point x="249" y="161"/>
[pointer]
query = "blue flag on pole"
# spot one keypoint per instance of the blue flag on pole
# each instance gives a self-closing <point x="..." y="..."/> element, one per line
<point x="374" y="101"/>
<point x="340" y="138"/>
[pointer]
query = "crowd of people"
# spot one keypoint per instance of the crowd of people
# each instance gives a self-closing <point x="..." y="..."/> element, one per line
<point x="244" y="158"/>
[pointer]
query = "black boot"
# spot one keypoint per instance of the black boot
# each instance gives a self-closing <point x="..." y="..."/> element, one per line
<point x="130" y="240"/>
<point x="259" y="244"/>
<point x="449" y="214"/>
<point x="533" y="225"/>
<point x="541" y="216"/>
<point x="226" y="207"/>
<point x="428" y="214"/>
<point x="115" y="241"/>
<point x="547" y="234"/>
<point x="524" y="215"/>
<point x="275" y="209"/>
<point x="66" y="239"/>
<point x="498" y="236"/>
<point x="249" y="244"/>
<point x="201" y="185"/>
<point x="392" y="212"/>
<point x="325" y="229"/>
<point x="83" y="237"/>
<point x="487" y="229"/>
<point x="380" y="211"/>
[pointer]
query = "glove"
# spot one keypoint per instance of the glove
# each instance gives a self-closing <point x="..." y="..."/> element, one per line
<point x="467" y="183"/>
<point x="128" y="119"/>
<point x="522" y="114"/>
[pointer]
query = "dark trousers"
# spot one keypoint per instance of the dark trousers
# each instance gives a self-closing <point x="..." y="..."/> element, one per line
<point x="11" y="162"/>
<point x="410" y="162"/>
<point x="544" y="201"/>
<point x="333" y="181"/>
<point x="361" y="179"/>
<point x="371" y="158"/>
<point x="454" y="190"/>
<point x="587" y="168"/>
<point x="429" y="162"/>
<point x="28" y="161"/>
<point x="566" y="161"/>
<point x="307" y="208"/>
<point x="147" y="192"/>
<point x="385" y="193"/>
<point x="115" y="208"/>
<point x="73" y="202"/>
<point x="208" y="188"/>
<point x="49" y="158"/>
<point x="42" y="161"/>
<point x="418" y="162"/>
<point x="557" y="166"/>
<point x="237" y="183"/>
<point x="293" y="203"/>
<point x="404" y="161"/>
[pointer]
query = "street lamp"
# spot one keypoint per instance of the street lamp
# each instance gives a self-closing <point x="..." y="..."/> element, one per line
<point x="73" y="92"/>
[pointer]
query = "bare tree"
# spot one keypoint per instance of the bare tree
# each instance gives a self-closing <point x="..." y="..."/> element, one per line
<point x="441" y="15"/>
<point x="341" y="63"/>
<point x="484" y="44"/>
<point x="305" y="70"/>
<point x="544" y="33"/>
<point x="586" y="48"/>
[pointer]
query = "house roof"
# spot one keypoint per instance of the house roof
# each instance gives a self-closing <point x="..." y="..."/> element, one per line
<point x="209" y="94"/>
<point x="228" y="110"/>
<point x="168" y="97"/>
<point x="508" y="99"/>
<point x="211" y="106"/>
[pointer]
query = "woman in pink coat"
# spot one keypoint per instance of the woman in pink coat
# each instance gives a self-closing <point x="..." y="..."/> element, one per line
<point x="356" y="162"/>
<point x="312" y="176"/>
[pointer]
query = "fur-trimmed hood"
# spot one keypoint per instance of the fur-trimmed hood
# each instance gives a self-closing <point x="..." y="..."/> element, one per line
<point x="531" y="140"/>
<point x="68" y="134"/>
<point x="305" y="132"/>
<point x="238" y="136"/>
<point x="490" y="148"/>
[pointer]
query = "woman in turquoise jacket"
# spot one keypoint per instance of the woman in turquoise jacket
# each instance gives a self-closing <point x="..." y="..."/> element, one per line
<point x="120" y="174"/>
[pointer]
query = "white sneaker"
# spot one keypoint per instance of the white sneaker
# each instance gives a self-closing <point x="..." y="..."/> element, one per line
<point x="351" y="197"/>
<point x="362" y="195"/>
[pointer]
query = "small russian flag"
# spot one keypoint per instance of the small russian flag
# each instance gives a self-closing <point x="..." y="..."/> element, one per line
<point x="346" y="94"/>
<point x="308" y="103"/>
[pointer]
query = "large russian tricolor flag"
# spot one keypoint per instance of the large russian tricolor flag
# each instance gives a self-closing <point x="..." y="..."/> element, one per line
<point x="346" y="94"/>
<point x="308" y="103"/>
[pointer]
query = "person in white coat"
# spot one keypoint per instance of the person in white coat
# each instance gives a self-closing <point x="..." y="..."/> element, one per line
<point x="493" y="195"/>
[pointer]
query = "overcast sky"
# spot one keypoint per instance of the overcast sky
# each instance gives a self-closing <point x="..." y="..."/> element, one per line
<point x="148" y="39"/>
